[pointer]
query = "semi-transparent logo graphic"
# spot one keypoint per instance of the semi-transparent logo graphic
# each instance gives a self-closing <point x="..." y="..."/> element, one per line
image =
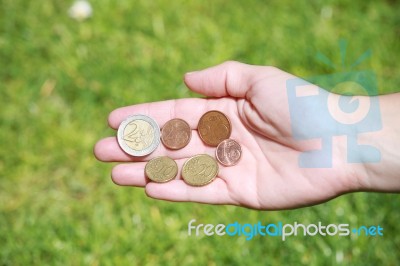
<point x="348" y="109"/>
<point x="282" y="230"/>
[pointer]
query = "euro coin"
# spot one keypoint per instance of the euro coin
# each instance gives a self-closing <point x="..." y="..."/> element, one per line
<point x="200" y="170"/>
<point x="176" y="134"/>
<point x="214" y="127"/>
<point x="138" y="135"/>
<point x="161" y="169"/>
<point x="228" y="152"/>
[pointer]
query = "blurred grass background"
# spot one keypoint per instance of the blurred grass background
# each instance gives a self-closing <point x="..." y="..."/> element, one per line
<point x="60" y="78"/>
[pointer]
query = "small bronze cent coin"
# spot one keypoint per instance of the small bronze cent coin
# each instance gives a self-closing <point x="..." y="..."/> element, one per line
<point x="214" y="127"/>
<point x="228" y="152"/>
<point x="138" y="135"/>
<point x="200" y="170"/>
<point x="176" y="134"/>
<point x="161" y="169"/>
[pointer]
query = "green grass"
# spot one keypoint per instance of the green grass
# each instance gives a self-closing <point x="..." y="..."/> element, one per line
<point x="59" y="79"/>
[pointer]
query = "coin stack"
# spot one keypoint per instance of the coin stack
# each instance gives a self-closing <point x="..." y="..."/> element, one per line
<point x="140" y="135"/>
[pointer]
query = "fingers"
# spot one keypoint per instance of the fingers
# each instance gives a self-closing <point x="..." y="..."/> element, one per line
<point x="189" y="110"/>
<point x="227" y="79"/>
<point x="177" y="190"/>
<point x="132" y="174"/>
<point x="108" y="150"/>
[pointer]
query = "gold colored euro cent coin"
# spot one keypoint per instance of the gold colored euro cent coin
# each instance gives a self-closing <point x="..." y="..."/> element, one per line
<point x="228" y="152"/>
<point x="200" y="170"/>
<point x="161" y="169"/>
<point x="176" y="134"/>
<point x="214" y="127"/>
<point x="138" y="135"/>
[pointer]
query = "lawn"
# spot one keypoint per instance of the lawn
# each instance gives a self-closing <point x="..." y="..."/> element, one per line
<point x="59" y="79"/>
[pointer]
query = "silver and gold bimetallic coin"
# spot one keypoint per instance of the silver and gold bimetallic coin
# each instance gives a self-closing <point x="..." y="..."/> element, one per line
<point x="139" y="135"/>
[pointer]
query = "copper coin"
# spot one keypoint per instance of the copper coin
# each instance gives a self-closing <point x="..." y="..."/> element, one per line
<point x="200" y="170"/>
<point x="214" y="127"/>
<point x="228" y="152"/>
<point x="176" y="134"/>
<point x="161" y="169"/>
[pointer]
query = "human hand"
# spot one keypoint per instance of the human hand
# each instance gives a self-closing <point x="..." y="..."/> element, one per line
<point x="268" y="175"/>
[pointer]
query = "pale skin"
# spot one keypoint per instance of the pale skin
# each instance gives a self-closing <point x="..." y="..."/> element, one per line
<point x="268" y="177"/>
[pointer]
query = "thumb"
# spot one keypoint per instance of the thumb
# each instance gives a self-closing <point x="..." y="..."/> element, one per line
<point x="230" y="78"/>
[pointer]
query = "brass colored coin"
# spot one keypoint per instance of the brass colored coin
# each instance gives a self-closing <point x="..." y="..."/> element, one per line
<point x="176" y="134"/>
<point x="228" y="152"/>
<point x="138" y="135"/>
<point x="199" y="170"/>
<point x="161" y="169"/>
<point x="214" y="127"/>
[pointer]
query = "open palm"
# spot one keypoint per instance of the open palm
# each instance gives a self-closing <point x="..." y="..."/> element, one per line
<point x="268" y="175"/>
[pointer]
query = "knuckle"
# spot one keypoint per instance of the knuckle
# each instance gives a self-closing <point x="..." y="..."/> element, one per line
<point x="231" y="64"/>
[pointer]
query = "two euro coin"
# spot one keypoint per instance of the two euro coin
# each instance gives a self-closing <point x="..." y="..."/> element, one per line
<point x="138" y="135"/>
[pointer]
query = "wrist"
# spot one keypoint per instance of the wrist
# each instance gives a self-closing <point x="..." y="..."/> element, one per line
<point x="382" y="174"/>
<point x="370" y="150"/>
